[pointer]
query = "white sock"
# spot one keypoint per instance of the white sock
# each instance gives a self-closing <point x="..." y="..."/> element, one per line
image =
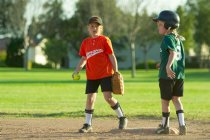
<point x="119" y="112"/>
<point x="88" y="118"/>
<point x="181" y="119"/>
<point x="165" y="120"/>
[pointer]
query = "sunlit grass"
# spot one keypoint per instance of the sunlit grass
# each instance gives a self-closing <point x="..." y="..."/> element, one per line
<point x="52" y="93"/>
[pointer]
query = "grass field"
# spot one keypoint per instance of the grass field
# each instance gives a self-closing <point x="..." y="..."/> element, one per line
<point x="51" y="93"/>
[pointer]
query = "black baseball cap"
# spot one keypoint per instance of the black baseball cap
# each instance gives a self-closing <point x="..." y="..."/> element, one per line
<point x="170" y="18"/>
<point x="95" y="19"/>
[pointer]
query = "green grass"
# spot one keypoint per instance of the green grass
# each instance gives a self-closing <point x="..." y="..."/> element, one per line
<point x="52" y="93"/>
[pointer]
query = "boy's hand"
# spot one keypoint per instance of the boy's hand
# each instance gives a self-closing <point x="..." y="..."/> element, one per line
<point x="157" y="66"/>
<point x="76" y="76"/>
<point x="170" y="73"/>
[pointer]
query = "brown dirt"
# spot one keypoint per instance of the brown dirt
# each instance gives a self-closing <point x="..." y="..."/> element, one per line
<point x="104" y="128"/>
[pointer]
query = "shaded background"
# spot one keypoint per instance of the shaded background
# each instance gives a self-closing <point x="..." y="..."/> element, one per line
<point x="49" y="33"/>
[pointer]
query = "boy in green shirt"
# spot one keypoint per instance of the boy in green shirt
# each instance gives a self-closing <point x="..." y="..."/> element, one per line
<point x="171" y="69"/>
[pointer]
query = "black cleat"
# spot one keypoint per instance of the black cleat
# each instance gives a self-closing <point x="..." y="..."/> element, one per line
<point x="123" y="121"/>
<point x="86" y="128"/>
<point x="182" y="130"/>
<point x="162" y="130"/>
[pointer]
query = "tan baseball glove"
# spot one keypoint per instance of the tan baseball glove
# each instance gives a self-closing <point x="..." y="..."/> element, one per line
<point x="117" y="83"/>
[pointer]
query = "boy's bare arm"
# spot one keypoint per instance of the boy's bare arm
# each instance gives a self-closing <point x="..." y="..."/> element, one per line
<point x="114" y="62"/>
<point x="81" y="64"/>
<point x="171" y="58"/>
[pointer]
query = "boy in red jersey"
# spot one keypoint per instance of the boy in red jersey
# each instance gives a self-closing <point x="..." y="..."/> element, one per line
<point x="97" y="54"/>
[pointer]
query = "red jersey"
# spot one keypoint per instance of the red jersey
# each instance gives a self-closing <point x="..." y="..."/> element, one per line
<point x="96" y="51"/>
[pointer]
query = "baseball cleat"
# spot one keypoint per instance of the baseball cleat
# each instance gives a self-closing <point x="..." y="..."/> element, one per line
<point x="182" y="130"/>
<point x="162" y="130"/>
<point x="123" y="121"/>
<point x="86" y="128"/>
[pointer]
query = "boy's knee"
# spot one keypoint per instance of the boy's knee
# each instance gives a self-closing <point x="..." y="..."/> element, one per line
<point x="165" y="102"/>
<point x="176" y="99"/>
<point x="108" y="99"/>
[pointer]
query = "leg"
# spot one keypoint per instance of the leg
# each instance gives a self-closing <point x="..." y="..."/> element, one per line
<point x="165" y="112"/>
<point x="164" y="126"/>
<point x="106" y="88"/>
<point x="90" y="102"/>
<point x="180" y="114"/>
<point x="90" y="108"/>
<point x="165" y="105"/>
<point x="166" y="96"/>
<point x="177" y="103"/>
<point x="91" y="92"/>
<point x="178" y="93"/>
<point x="91" y="97"/>
<point x="113" y="103"/>
<point x="109" y="99"/>
<point x="116" y="107"/>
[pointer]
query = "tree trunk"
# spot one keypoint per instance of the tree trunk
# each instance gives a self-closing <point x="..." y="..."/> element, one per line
<point x="133" y="60"/>
<point x="26" y="46"/>
<point x="208" y="61"/>
<point x="26" y="56"/>
<point x="145" y="58"/>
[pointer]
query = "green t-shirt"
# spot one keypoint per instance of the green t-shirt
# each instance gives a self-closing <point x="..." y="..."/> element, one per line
<point x="170" y="42"/>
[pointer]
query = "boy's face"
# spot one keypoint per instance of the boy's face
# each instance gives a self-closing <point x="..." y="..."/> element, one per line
<point x="95" y="29"/>
<point x="161" y="28"/>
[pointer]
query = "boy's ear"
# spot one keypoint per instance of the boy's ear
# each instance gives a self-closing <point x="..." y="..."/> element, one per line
<point x="101" y="27"/>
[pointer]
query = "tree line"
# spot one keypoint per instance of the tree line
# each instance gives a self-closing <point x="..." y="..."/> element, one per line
<point x="129" y="29"/>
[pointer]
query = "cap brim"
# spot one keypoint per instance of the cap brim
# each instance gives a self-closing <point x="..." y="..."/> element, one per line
<point x="155" y="19"/>
<point x="96" y="19"/>
<point x="99" y="23"/>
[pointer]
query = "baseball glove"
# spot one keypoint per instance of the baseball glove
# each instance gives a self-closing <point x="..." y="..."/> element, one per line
<point x="117" y="83"/>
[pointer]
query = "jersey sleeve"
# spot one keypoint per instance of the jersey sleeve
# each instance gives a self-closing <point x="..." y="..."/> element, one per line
<point x="82" y="50"/>
<point x="169" y="43"/>
<point x="108" y="46"/>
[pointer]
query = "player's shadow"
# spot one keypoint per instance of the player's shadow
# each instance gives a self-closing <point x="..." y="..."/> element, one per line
<point x="143" y="131"/>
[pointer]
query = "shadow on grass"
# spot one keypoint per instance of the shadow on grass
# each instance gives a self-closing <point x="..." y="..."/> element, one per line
<point x="198" y="76"/>
<point x="191" y="76"/>
<point x="71" y="114"/>
<point x="43" y="115"/>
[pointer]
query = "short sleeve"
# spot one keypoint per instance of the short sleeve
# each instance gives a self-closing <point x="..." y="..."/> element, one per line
<point x="108" y="46"/>
<point x="169" y="43"/>
<point x="82" y="50"/>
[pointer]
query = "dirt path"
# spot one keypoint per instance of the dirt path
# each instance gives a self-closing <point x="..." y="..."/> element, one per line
<point x="104" y="128"/>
